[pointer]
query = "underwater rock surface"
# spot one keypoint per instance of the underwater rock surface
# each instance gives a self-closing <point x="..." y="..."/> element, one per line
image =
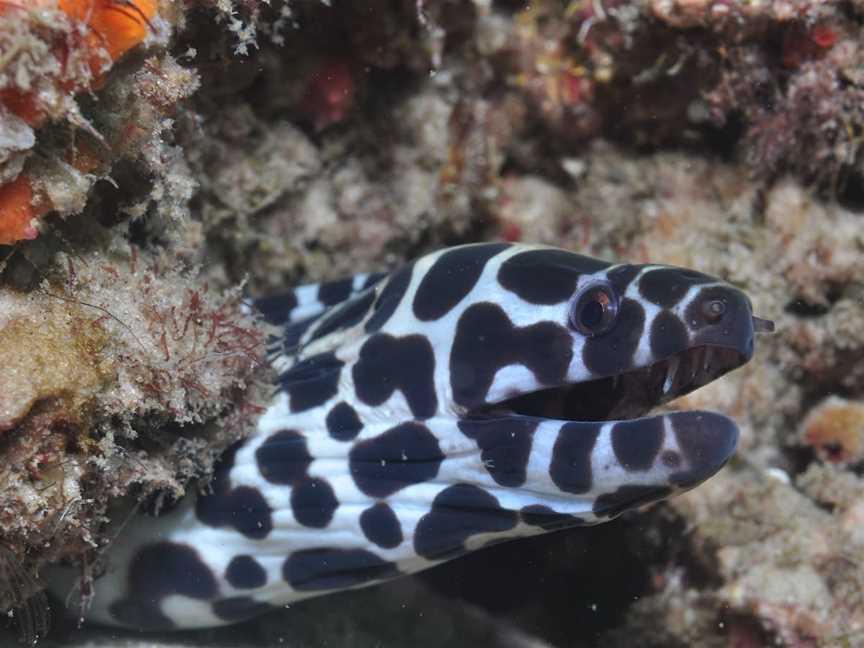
<point x="213" y="149"/>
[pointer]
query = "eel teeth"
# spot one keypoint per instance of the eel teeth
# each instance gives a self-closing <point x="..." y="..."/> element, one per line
<point x="670" y="374"/>
<point x="706" y="362"/>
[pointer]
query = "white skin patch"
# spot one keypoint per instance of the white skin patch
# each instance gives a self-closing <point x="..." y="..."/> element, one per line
<point x="307" y="302"/>
<point x="198" y="612"/>
<point x="512" y="379"/>
<point x="643" y="355"/>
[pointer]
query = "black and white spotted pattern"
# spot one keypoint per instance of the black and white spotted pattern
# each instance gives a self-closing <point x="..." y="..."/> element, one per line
<point x="483" y="392"/>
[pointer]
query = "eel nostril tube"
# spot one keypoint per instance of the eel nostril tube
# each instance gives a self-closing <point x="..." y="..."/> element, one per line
<point x="762" y="325"/>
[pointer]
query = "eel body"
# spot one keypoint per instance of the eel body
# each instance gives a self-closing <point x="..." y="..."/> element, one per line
<point x="480" y="393"/>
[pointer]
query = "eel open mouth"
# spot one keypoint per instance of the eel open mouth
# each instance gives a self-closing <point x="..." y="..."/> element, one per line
<point x="631" y="394"/>
<point x="701" y="442"/>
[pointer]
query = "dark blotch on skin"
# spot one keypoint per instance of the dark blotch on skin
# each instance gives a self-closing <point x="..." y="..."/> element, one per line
<point x="345" y="316"/>
<point x="668" y="335"/>
<point x="243" y="508"/>
<point x="244" y="572"/>
<point x="240" y="608"/>
<point x="333" y="292"/>
<point x="671" y="459"/>
<point x="403" y="455"/>
<point x="276" y="308"/>
<point x="450" y="278"/>
<point x="706" y="442"/>
<point x="628" y="497"/>
<point x="459" y="512"/>
<point x="343" y="424"/>
<point x="283" y="458"/>
<point x="312" y="381"/>
<point x="296" y="330"/>
<point x="373" y="278"/>
<point x="505" y="444"/>
<point x="546" y="276"/>
<point x="636" y="444"/>
<point x="666" y="286"/>
<point x="389" y="299"/>
<point x="313" y="503"/>
<point x="486" y="340"/>
<point x="330" y="568"/>
<point x="381" y="526"/>
<point x="612" y="352"/>
<point x="547" y="519"/>
<point x="570" y="468"/>
<point x="159" y="570"/>
<point x="388" y="363"/>
<point x="621" y="277"/>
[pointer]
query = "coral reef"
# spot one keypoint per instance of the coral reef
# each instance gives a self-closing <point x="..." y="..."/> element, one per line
<point x="154" y="156"/>
<point x="52" y="52"/>
<point x="119" y="377"/>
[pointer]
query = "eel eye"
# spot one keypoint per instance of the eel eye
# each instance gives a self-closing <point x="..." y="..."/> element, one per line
<point x="594" y="310"/>
<point x="713" y="310"/>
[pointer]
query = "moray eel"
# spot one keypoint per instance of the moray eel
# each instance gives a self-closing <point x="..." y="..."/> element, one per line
<point x="480" y="393"/>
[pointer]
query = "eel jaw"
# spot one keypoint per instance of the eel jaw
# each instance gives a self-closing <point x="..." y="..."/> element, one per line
<point x="627" y="395"/>
<point x="688" y="446"/>
<point x="632" y="393"/>
<point x="703" y="441"/>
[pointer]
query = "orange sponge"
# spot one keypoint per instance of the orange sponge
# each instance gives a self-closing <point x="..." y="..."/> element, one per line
<point x="115" y="25"/>
<point x="17" y="211"/>
<point x="22" y="104"/>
